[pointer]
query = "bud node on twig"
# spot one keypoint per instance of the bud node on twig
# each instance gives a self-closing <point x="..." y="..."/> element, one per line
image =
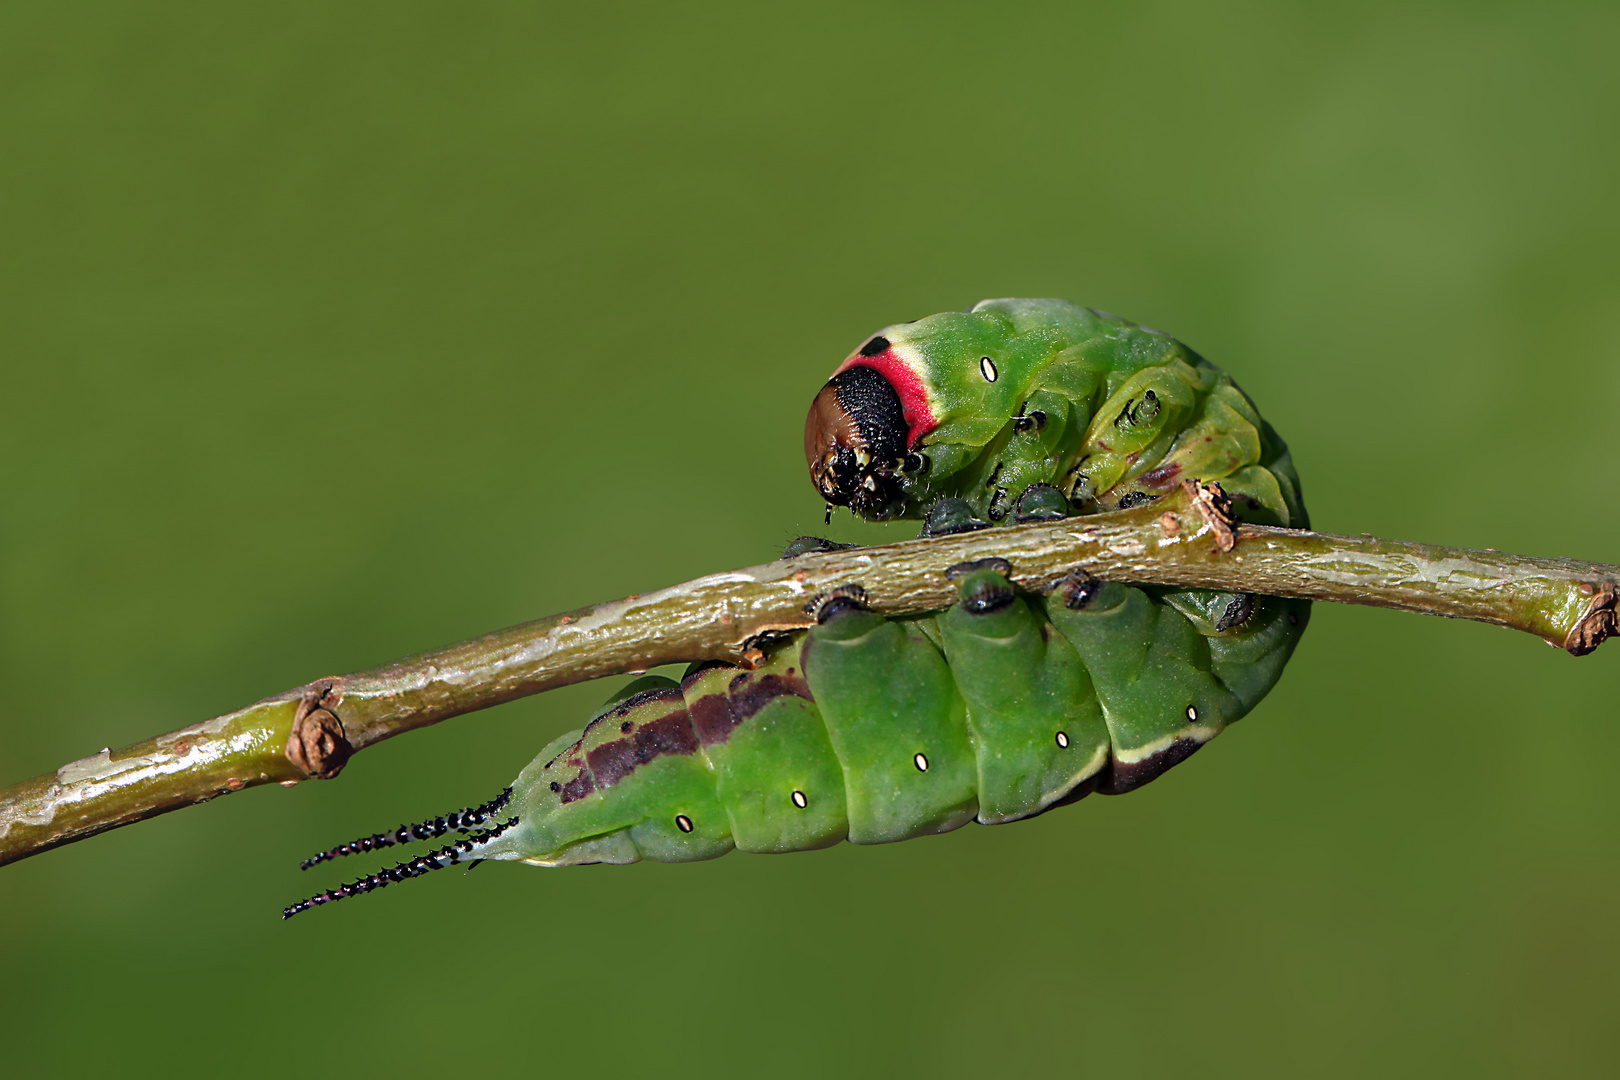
<point x="317" y="743"/>
<point x="1596" y="624"/>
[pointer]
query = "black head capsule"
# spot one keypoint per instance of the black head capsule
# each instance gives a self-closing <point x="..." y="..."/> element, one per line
<point x="855" y="442"/>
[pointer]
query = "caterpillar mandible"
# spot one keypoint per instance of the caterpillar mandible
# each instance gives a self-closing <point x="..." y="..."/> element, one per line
<point x="1006" y="704"/>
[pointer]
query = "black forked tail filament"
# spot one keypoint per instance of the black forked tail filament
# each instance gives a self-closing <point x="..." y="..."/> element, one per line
<point x="458" y="821"/>
<point x="422" y="864"/>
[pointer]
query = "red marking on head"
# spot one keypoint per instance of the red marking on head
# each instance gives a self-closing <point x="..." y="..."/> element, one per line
<point x="920" y="419"/>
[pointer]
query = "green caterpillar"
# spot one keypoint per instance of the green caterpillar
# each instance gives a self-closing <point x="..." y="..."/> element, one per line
<point x="870" y="729"/>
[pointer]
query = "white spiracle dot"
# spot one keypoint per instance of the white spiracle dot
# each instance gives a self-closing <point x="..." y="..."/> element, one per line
<point x="1063" y="740"/>
<point x="921" y="761"/>
<point x="683" y="823"/>
<point x="1192" y="714"/>
<point x="987" y="368"/>
<point x="799" y="800"/>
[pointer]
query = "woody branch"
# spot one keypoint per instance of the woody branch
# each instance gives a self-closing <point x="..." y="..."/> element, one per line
<point x="1185" y="539"/>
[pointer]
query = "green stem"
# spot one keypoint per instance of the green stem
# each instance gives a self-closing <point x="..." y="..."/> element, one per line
<point x="1180" y="540"/>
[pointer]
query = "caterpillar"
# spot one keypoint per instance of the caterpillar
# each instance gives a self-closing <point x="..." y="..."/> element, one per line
<point x="1002" y="706"/>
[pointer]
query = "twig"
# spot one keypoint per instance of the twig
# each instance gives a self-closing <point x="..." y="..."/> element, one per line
<point x="1184" y="539"/>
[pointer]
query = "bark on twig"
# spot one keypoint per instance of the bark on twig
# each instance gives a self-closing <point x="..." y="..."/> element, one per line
<point x="1184" y="539"/>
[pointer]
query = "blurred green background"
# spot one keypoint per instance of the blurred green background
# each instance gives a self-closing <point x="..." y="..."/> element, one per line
<point x="334" y="332"/>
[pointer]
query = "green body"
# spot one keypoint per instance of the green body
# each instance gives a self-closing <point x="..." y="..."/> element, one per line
<point x="1089" y="374"/>
<point x="874" y="730"/>
<point x="1011" y="711"/>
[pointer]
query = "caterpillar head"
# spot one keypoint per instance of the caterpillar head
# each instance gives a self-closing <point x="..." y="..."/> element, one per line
<point x="855" y="442"/>
<point x="863" y="430"/>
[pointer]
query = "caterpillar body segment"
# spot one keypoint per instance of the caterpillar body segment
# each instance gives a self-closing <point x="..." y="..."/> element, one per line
<point x="982" y="404"/>
<point x="1032" y="709"/>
